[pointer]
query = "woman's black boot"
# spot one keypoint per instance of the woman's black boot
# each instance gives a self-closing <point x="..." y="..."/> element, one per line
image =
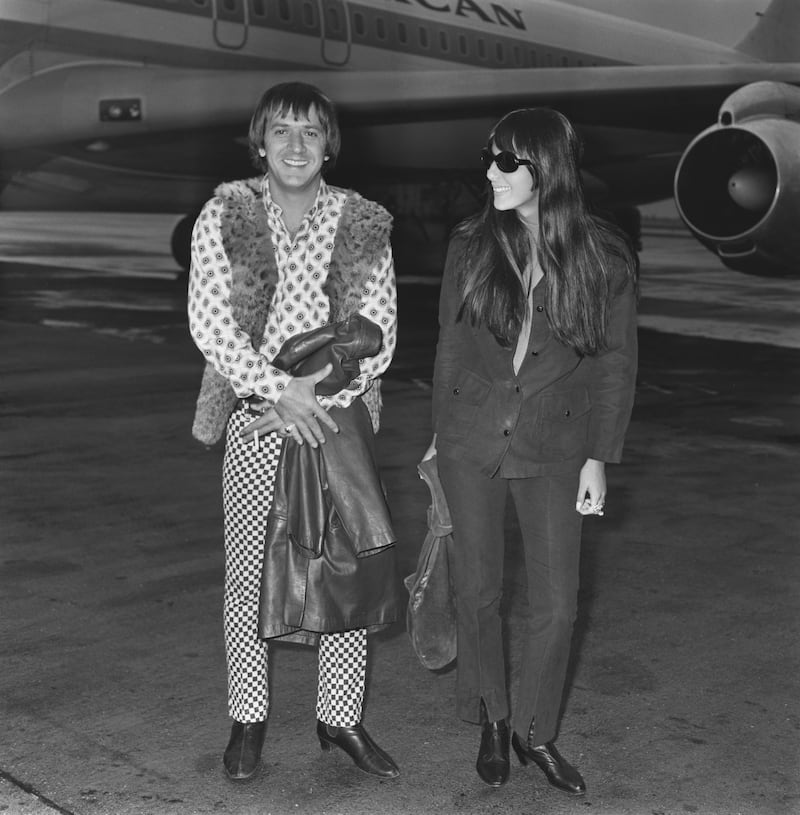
<point x="493" y="765"/>
<point x="560" y="773"/>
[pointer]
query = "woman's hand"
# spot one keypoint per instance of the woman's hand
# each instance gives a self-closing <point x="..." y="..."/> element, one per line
<point x="431" y="451"/>
<point x="592" y="488"/>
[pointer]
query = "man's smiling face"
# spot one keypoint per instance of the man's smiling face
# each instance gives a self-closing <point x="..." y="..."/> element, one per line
<point x="295" y="147"/>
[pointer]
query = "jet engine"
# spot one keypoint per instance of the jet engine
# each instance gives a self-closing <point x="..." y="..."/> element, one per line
<point x="737" y="185"/>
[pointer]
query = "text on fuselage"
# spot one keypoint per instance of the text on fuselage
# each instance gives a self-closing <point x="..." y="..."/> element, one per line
<point x="485" y="12"/>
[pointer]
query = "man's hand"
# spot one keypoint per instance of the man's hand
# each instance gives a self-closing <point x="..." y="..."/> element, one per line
<point x="591" y="488"/>
<point x="267" y="422"/>
<point x="300" y="413"/>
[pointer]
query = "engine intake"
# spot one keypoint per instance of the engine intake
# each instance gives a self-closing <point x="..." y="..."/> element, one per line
<point x="737" y="185"/>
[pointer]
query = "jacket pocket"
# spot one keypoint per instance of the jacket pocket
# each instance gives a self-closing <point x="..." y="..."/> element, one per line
<point x="564" y="423"/>
<point x="461" y="405"/>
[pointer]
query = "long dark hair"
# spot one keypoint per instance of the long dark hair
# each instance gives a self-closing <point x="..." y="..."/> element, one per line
<point x="576" y="250"/>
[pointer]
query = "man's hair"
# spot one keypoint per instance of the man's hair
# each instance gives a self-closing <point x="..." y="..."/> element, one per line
<point x="294" y="99"/>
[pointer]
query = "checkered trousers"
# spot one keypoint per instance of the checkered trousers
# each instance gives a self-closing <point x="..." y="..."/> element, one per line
<point x="248" y="480"/>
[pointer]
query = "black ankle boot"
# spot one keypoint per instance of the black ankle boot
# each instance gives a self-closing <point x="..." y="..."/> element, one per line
<point x="358" y="744"/>
<point x="560" y="773"/>
<point x="493" y="765"/>
<point x="243" y="753"/>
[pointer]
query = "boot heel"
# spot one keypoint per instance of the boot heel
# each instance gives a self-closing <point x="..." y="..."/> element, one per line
<point x="356" y="742"/>
<point x="523" y="759"/>
<point x="558" y="771"/>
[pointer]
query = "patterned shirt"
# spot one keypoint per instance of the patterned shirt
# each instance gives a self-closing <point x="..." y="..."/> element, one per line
<point x="299" y="303"/>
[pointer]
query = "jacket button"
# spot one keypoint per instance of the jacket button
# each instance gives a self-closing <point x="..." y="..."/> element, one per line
<point x="567" y="412"/>
<point x="517" y="388"/>
<point x="456" y="391"/>
<point x="506" y="432"/>
<point x="534" y="353"/>
<point x="540" y="308"/>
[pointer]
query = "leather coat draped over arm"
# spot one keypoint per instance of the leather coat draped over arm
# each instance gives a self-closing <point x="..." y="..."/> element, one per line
<point x="335" y="570"/>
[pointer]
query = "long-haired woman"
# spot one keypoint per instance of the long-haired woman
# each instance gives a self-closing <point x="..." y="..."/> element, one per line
<point x="533" y="390"/>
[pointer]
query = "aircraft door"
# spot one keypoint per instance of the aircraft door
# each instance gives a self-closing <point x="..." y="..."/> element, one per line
<point x="230" y="23"/>
<point x="334" y="31"/>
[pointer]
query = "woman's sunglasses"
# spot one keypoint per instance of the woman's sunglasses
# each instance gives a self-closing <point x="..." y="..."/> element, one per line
<point x="506" y="161"/>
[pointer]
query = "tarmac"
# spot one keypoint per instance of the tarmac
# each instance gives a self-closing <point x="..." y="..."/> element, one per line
<point x="684" y="685"/>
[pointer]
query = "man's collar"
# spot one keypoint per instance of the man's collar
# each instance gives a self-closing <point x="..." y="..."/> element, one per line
<point x="323" y="192"/>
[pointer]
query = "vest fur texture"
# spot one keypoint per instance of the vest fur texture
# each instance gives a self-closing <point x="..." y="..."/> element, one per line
<point x="361" y="237"/>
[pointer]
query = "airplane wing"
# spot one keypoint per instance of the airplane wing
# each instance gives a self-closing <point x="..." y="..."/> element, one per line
<point x="79" y="103"/>
<point x="419" y="92"/>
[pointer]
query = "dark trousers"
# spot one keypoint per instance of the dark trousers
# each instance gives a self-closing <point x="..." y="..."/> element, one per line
<point x="551" y="531"/>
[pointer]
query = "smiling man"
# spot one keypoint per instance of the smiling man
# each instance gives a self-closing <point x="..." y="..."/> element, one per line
<point x="274" y="257"/>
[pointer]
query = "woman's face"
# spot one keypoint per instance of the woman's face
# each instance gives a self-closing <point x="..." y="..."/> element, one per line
<point x="514" y="190"/>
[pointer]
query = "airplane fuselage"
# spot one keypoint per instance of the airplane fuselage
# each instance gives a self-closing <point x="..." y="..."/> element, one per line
<point x="94" y="71"/>
<point x="345" y="34"/>
<point x="101" y="100"/>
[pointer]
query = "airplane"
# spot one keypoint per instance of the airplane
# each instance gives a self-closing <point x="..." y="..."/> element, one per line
<point x="143" y="105"/>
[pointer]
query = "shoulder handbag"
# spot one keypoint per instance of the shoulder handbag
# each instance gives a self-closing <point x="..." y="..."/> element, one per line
<point x="431" y="614"/>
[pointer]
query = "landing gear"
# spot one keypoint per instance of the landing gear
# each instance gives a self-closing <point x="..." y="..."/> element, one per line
<point x="181" y="243"/>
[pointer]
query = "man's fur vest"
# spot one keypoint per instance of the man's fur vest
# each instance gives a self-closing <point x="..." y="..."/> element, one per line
<point x="361" y="237"/>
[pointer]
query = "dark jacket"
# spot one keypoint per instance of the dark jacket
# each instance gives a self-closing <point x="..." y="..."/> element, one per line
<point x="560" y="409"/>
<point x="329" y="558"/>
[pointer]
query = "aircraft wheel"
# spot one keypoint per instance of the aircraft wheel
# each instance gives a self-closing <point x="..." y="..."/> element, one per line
<point x="182" y="241"/>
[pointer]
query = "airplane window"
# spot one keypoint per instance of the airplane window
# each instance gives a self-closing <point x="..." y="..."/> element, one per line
<point x="333" y="17"/>
<point x="564" y="62"/>
<point x="380" y="28"/>
<point x="308" y="15"/>
<point x="230" y="5"/>
<point x="284" y="11"/>
<point x="533" y="58"/>
<point x="402" y="33"/>
<point x="444" y="43"/>
<point x="259" y="10"/>
<point x="500" y="52"/>
<point x="423" y="37"/>
<point x="358" y="24"/>
<point x="517" y="56"/>
<point x="481" y="48"/>
<point x="549" y="60"/>
<point x="462" y="45"/>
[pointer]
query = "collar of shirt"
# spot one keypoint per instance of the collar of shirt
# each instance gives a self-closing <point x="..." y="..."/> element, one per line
<point x="321" y="200"/>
